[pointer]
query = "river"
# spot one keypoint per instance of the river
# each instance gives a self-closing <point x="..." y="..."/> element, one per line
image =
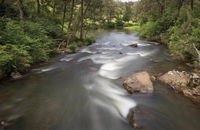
<point x="83" y="91"/>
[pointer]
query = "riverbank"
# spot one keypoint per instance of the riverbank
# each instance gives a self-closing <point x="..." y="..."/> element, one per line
<point x="61" y="47"/>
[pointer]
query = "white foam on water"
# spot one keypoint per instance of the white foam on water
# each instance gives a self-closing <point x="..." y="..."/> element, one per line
<point x="116" y="100"/>
<point x="113" y="69"/>
<point x="98" y="58"/>
<point x="140" y="53"/>
<point x="106" y="43"/>
<point x="137" y="42"/>
<point x="140" y="44"/>
<point x="66" y="59"/>
<point x="107" y="106"/>
<point x="110" y="48"/>
<point x="48" y="69"/>
<point x="87" y="50"/>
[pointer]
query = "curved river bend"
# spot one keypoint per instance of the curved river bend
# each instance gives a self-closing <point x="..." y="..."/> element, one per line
<point x="83" y="91"/>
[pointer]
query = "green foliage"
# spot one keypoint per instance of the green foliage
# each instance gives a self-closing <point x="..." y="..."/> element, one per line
<point x="89" y="40"/>
<point x="150" y="30"/>
<point x="179" y="44"/>
<point x="78" y="43"/>
<point x="119" y="23"/>
<point x="73" y="46"/>
<point x="110" y="25"/>
<point x="178" y="28"/>
<point x="51" y="26"/>
<point x="14" y="58"/>
<point x="23" y="43"/>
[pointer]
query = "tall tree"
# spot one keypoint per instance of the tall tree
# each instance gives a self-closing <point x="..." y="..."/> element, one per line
<point x="38" y="6"/>
<point x="82" y="20"/>
<point x="64" y="13"/>
<point x="21" y="9"/>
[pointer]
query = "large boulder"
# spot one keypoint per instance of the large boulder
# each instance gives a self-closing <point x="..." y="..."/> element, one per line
<point x="183" y="82"/>
<point x="139" y="82"/>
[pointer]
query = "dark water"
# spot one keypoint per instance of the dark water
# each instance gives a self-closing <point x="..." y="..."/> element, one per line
<point x="83" y="91"/>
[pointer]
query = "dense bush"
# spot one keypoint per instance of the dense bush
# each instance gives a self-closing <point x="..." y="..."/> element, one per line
<point x="14" y="58"/>
<point x="178" y="30"/>
<point x="23" y="43"/>
<point x="78" y="43"/>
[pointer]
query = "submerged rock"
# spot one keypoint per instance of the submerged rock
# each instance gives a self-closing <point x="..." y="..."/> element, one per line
<point x="134" y="45"/>
<point x="16" y="75"/>
<point x="139" y="82"/>
<point x="131" y="119"/>
<point x="183" y="82"/>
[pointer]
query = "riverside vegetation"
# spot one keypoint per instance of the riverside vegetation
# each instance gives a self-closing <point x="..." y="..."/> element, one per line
<point x="33" y="30"/>
<point x="175" y="23"/>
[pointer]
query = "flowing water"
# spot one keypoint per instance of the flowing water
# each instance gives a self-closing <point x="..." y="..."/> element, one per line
<point x="83" y="91"/>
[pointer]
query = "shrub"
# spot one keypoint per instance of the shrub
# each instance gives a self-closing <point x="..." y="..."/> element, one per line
<point x="89" y="40"/>
<point x="73" y="47"/>
<point x="31" y="35"/>
<point x="13" y="58"/>
<point x="110" y="25"/>
<point x="119" y="23"/>
<point x="149" y="30"/>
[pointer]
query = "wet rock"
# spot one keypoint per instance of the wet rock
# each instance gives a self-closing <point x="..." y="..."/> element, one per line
<point x="16" y="75"/>
<point x="153" y="78"/>
<point x="131" y="119"/>
<point x="4" y="123"/>
<point x="134" y="45"/>
<point x="175" y="78"/>
<point x="139" y="82"/>
<point x="10" y="120"/>
<point x="183" y="82"/>
<point x="93" y="68"/>
<point x="66" y="50"/>
<point x="120" y="53"/>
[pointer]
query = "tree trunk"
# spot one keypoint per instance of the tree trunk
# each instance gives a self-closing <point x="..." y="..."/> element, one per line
<point x="54" y="8"/>
<point x="161" y="5"/>
<point x="180" y="4"/>
<point x="192" y="4"/>
<point x="71" y="15"/>
<point x="198" y="52"/>
<point x="38" y="6"/>
<point x="77" y="25"/>
<point x="64" y="13"/>
<point x="82" y="20"/>
<point x="21" y="9"/>
<point x="70" y="22"/>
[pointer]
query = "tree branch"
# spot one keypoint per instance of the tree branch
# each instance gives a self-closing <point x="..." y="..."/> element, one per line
<point x="197" y="51"/>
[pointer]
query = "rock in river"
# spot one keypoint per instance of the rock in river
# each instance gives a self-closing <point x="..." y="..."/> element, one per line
<point x="183" y="82"/>
<point x="16" y="75"/>
<point x="134" y="45"/>
<point x="139" y="82"/>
